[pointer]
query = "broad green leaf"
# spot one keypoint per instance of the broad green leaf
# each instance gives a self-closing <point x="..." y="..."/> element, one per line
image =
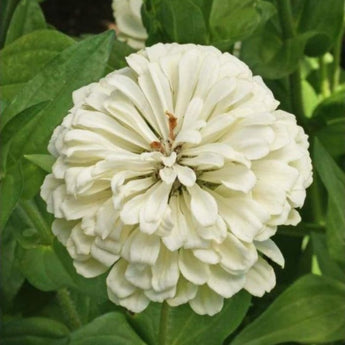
<point x="183" y="21"/>
<point x="76" y="66"/>
<point x="43" y="161"/>
<point x="311" y="311"/>
<point x="45" y="262"/>
<point x="26" y="18"/>
<point x="93" y="287"/>
<point x="185" y="327"/>
<point x="327" y="265"/>
<point x="11" y="278"/>
<point x="23" y="59"/>
<point x="117" y="56"/>
<point x="7" y="8"/>
<point x="322" y="19"/>
<point x="33" y="331"/>
<point x="334" y="180"/>
<point x="11" y="187"/>
<point x="108" y="329"/>
<point x="42" y="269"/>
<point x="235" y="20"/>
<point x="269" y="55"/>
<point x="329" y="121"/>
<point x="16" y="128"/>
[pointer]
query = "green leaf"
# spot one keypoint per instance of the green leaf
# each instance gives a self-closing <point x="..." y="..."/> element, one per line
<point x="334" y="180"/>
<point x="327" y="265"/>
<point x="117" y="56"/>
<point x="185" y="327"/>
<point x="11" y="278"/>
<point x="23" y="59"/>
<point x="45" y="262"/>
<point x="33" y="331"/>
<point x="94" y="287"/>
<point x="183" y="21"/>
<point x="7" y="8"/>
<point x="268" y="55"/>
<point x="43" y="269"/>
<point x="76" y="66"/>
<point x="26" y="18"/>
<point x="235" y="20"/>
<point x="108" y="329"/>
<point x="16" y="128"/>
<point x="322" y="19"/>
<point x="329" y="120"/>
<point x="45" y="162"/>
<point x="311" y="311"/>
<point x="11" y="187"/>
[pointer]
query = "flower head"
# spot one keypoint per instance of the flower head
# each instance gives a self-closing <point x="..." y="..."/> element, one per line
<point x="129" y="23"/>
<point x="174" y="172"/>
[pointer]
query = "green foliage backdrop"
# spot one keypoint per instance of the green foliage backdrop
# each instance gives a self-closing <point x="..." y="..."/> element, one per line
<point x="295" y="46"/>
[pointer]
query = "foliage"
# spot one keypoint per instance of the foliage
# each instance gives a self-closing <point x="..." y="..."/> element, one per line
<point x="295" y="46"/>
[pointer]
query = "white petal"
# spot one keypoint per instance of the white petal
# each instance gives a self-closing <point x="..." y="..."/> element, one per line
<point x="206" y="302"/>
<point x="260" y="278"/>
<point x="208" y="256"/>
<point x="185" y="175"/>
<point x="89" y="268"/>
<point x="236" y="256"/>
<point x="216" y="232"/>
<point x="184" y="293"/>
<point x="224" y="283"/>
<point x="62" y="229"/>
<point x="165" y="272"/>
<point x="203" y="206"/>
<point x="192" y="269"/>
<point x="136" y="302"/>
<point x="155" y="206"/>
<point x="116" y="281"/>
<point x="233" y="176"/>
<point x="141" y="248"/>
<point x="105" y="251"/>
<point x="168" y="175"/>
<point x="160" y="296"/>
<point x="270" y="249"/>
<point x="204" y="161"/>
<point x="139" y="275"/>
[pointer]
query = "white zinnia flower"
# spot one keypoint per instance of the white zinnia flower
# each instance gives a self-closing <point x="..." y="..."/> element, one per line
<point x="174" y="172"/>
<point x="129" y="23"/>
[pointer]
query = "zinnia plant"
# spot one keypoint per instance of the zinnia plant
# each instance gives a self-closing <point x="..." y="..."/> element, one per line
<point x="177" y="180"/>
<point x="175" y="172"/>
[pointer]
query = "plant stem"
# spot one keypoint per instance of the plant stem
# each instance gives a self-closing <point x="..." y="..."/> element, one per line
<point x="316" y="203"/>
<point x="336" y="63"/>
<point x="31" y="211"/>
<point x="288" y="32"/>
<point x="163" y="324"/>
<point x="325" y="89"/>
<point x="68" y="308"/>
<point x="303" y="229"/>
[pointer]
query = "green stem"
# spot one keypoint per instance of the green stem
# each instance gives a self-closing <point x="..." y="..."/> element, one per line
<point x="163" y="324"/>
<point x="336" y="63"/>
<point x="68" y="308"/>
<point x="316" y="202"/>
<point x="39" y="223"/>
<point x="303" y="229"/>
<point x="288" y="32"/>
<point x="325" y="88"/>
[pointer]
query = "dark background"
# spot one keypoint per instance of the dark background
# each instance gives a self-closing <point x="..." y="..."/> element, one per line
<point x="76" y="17"/>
